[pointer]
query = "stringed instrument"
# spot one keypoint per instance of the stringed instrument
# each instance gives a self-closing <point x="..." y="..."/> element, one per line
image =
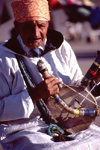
<point x="74" y="108"/>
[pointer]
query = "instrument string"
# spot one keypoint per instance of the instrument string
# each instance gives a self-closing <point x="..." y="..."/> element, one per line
<point x="88" y="112"/>
<point x="96" y="83"/>
<point x="85" y="97"/>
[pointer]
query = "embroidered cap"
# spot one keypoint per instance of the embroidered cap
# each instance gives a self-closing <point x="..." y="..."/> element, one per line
<point x="27" y="10"/>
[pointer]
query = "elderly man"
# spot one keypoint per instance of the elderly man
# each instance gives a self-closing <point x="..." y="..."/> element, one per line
<point x="21" y="124"/>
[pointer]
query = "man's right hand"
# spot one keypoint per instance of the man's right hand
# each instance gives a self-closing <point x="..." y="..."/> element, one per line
<point x="46" y="88"/>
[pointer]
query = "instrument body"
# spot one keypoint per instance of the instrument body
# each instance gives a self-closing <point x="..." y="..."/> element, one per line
<point x="67" y="121"/>
<point x="70" y="108"/>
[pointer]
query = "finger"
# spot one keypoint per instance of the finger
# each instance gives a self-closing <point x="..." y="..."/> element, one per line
<point x="50" y="78"/>
<point x="55" y="80"/>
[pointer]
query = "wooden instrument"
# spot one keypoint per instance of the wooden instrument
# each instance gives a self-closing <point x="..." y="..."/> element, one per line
<point x="67" y="121"/>
<point x="74" y="108"/>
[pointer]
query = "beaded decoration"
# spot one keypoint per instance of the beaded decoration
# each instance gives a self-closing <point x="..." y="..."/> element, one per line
<point x="89" y="112"/>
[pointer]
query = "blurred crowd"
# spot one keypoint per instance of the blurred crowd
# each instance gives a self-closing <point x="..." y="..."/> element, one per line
<point x="80" y="14"/>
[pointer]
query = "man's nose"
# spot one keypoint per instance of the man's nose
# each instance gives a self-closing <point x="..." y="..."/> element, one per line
<point x="35" y="31"/>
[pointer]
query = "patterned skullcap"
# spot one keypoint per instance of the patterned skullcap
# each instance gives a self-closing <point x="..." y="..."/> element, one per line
<point x="27" y="10"/>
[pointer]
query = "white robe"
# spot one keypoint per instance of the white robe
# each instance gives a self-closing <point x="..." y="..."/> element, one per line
<point x="24" y="129"/>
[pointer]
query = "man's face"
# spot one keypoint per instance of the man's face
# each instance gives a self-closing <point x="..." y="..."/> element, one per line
<point x="33" y="33"/>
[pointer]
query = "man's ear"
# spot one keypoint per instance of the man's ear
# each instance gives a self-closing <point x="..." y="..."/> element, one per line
<point x="17" y="27"/>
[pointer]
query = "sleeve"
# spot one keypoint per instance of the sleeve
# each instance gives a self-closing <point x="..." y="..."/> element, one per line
<point x="15" y="102"/>
<point x="70" y="59"/>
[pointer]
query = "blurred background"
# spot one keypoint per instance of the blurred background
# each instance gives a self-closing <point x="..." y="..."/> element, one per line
<point x="77" y="20"/>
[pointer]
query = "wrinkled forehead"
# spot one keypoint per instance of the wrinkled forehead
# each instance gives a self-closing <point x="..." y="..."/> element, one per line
<point x="33" y="23"/>
<point x="27" y="10"/>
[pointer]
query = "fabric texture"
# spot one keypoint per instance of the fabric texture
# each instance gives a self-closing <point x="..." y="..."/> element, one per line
<point x="21" y="125"/>
<point x="27" y="10"/>
<point x="35" y="52"/>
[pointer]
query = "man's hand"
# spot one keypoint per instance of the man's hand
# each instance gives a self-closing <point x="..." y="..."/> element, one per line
<point x="46" y="88"/>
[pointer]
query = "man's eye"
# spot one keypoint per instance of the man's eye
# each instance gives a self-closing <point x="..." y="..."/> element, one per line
<point x="41" y="25"/>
